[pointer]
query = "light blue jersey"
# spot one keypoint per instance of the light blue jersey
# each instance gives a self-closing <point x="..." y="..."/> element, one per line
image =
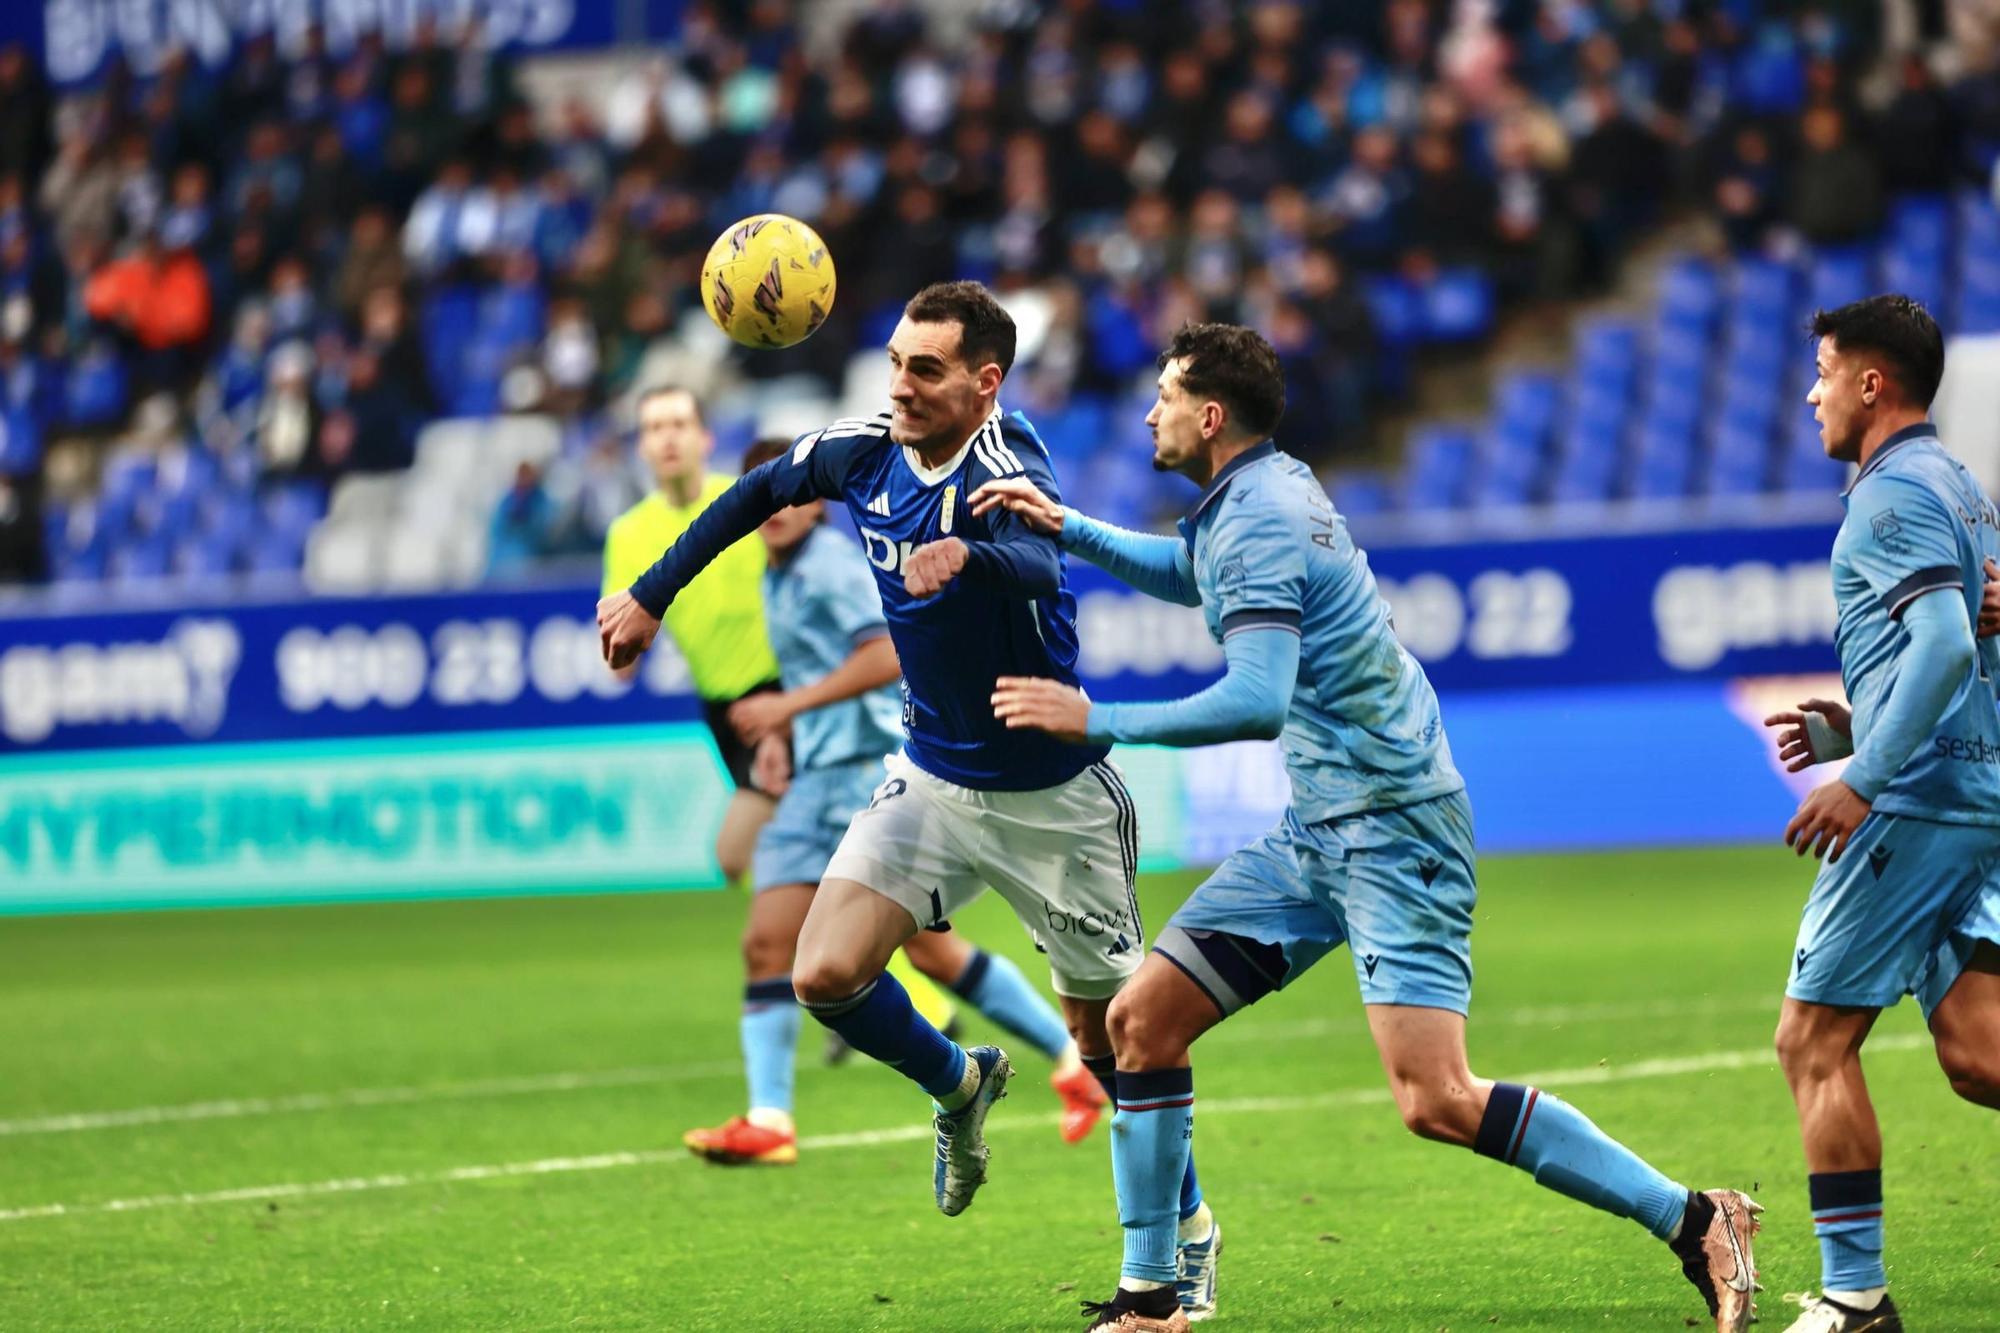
<point x="1363" y="731"/>
<point x="1918" y="523"/>
<point x="821" y="604"/>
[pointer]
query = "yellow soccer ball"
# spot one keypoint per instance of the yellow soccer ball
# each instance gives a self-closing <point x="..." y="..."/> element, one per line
<point x="768" y="281"/>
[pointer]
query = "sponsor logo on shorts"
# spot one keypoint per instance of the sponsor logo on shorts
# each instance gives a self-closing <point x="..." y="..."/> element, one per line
<point x="1088" y="924"/>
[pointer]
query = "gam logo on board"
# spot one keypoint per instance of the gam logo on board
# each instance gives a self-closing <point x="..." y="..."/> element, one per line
<point x="182" y="679"/>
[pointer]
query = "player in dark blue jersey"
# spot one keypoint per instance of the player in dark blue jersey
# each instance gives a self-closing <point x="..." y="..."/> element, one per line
<point x="969" y="802"/>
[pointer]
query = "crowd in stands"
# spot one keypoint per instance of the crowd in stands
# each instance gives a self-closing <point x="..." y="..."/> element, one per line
<point x="220" y="289"/>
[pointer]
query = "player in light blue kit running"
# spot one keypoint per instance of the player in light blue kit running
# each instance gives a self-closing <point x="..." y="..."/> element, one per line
<point x="1374" y="852"/>
<point x="1907" y="901"/>
<point x="838" y="671"/>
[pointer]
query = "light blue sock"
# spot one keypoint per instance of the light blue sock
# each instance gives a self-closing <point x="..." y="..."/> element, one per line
<point x="1190" y="1189"/>
<point x="996" y="988"/>
<point x="1556" y="1144"/>
<point x="1150" y="1134"/>
<point x="879" y="1020"/>
<point x="770" y="1029"/>
<point x="1847" y="1218"/>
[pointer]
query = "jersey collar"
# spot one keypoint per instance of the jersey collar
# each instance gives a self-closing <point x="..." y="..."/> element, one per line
<point x="1256" y="453"/>
<point x="931" y="476"/>
<point x="1923" y="430"/>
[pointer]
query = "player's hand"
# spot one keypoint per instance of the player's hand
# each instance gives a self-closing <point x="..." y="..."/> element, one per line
<point x="1989" y="602"/>
<point x="624" y="629"/>
<point x="1022" y="497"/>
<point x="771" y="765"/>
<point x="1795" y="743"/>
<point x="1826" y="821"/>
<point x="761" y="715"/>
<point x="1043" y="705"/>
<point x="933" y="565"/>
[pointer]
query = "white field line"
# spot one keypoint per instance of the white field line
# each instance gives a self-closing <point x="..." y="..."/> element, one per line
<point x="237" y="1107"/>
<point x="233" y="1108"/>
<point x="868" y="1138"/>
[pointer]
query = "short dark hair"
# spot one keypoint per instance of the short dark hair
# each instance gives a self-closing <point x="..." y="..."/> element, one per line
<point x="764" y="450"/>
<point x="988" y="328"/>
<point x="1895" y="328"/>
<point x="651" y="392"/>
<point x="1236" y="367"/>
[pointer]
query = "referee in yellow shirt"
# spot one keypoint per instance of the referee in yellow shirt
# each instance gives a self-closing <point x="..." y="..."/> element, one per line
<point x="717" y="621"/>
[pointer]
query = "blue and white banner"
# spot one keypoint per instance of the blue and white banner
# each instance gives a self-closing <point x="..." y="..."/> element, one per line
<point x="74" y="38"/>
<point x="1537" y="614"/>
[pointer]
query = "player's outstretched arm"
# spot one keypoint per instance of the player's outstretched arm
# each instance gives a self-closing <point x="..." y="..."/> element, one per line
<point x="1248" y="703"/>
<point x="1157" y="566"/>
<point x="870" y="666"/>
<point x="627" y="621"/>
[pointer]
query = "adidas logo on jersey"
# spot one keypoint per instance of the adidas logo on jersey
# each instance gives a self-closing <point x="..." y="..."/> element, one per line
<point x="880" y="505"/>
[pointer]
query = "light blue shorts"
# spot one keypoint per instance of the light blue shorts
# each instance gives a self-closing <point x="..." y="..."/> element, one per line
<point x="1396" y="886"/>
<point x="811" y="818"/>
<point x="1899" y="914"/>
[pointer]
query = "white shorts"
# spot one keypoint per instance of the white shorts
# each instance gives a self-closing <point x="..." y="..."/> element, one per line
<point x="1063" y="857"/>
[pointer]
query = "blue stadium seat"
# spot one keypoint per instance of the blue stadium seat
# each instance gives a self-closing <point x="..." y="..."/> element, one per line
<point x="140" y="558"/>
<point x="274" y="553"/>
<point x="1920" y="225"/>
<point x="1739" y="457"/>
<point x="1690" y="298"/>
<point x="20" y="444"/>
<point x="291" y="508"/>
<point x="1838" y="275"/>
<point x="1528" y="401"/>
<point x="1361" y="493"/>
<point x="1457" y="306"/>
<point x="1762" y="293"/>
<point x="1590" y="460"/>
<point x="1438" y="471"/>
<point x="1665" y="462"/>
<point x="1920" y="275"/>
<point x="1978" y="226"/>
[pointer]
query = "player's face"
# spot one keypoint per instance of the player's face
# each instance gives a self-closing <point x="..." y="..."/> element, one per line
<point x="1840" y="396"/>
<point x="937" y="399"/>
<point x="1177" y="419"/>
<point x="672" y="439"/>
<point x="784" y="530"/>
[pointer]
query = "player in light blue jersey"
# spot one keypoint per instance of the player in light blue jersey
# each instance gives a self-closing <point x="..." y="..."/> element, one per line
<point x="968" y="803"/>
<point x="1907" y="900"/>
<point x="838" y="671"/>
<point x="1374" y="852"/>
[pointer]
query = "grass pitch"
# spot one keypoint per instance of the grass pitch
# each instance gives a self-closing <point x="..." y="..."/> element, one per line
<point x="467" y="1115"/>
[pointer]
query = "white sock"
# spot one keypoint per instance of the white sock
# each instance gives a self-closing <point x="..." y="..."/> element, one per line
<point x="968" y="1084"/>
<point x="1069" y="1061"/>
<point x="1195" y="1228"/>
<point x="1858" y="1300"/>
<point x="1139" y="1284"/>
<point x="771" y="1117"/>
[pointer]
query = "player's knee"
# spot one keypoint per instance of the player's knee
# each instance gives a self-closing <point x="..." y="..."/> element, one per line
<point x="766" y="952"/>
<point x="823" y="980"/>
<point x="733" y="861"/>
<point x="1141" y="1037"/>
<point x="1801" y="1052"/>
<point x="1437" y="1114"/>
<point x="1974" y="1071"/>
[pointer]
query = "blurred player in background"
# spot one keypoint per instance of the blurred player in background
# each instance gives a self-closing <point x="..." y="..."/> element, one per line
<point x="1907" y="901"/>
<point x="1375" y="851"/>
<point x="840" y="707"/>
<point x="717" y="622"/>
<point x="968" y="802"/>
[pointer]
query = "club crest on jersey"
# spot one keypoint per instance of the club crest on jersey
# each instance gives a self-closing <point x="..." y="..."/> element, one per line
<point x="949" y="509"/>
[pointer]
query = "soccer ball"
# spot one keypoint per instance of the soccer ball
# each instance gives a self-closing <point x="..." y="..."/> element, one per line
<point x="768" y="281"/>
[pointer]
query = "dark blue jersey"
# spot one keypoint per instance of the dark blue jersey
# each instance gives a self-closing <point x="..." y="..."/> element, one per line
<point x="1009" y="613"/>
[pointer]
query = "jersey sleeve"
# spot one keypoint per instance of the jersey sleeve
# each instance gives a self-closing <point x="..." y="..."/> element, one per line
<point x="844" y="587"/>
<point x="1905" y="543"/>
<point x="1257" y="563"/>
<point x="1019" y="560"/>
<point x="816" y="466"/>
